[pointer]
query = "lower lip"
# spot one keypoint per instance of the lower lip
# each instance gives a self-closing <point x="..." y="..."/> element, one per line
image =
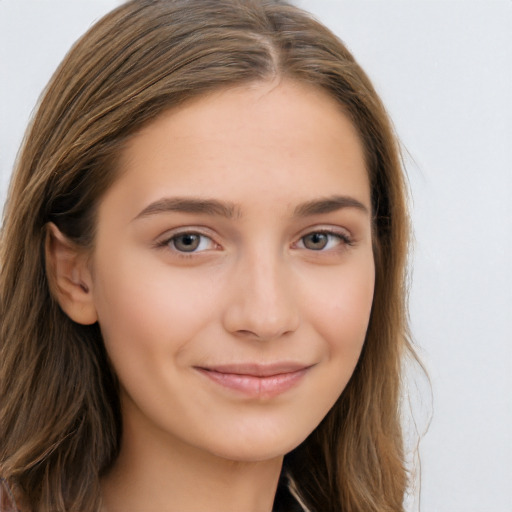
<point x="251" y="385"/>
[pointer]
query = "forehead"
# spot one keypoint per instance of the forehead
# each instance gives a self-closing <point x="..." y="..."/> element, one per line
<point x="281" y="140"/>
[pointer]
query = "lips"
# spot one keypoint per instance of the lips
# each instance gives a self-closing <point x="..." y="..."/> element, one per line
<point x="257" y="380"/>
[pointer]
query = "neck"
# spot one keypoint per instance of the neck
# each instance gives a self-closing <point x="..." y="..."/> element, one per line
<point x="155" y="471"/>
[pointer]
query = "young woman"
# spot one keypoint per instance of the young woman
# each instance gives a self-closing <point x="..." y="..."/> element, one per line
<point x="202" y="273"/>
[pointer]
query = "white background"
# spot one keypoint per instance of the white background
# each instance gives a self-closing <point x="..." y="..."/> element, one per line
<point x="444" y="70"/>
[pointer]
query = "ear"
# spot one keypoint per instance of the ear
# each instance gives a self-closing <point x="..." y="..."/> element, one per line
<point x="69" y="276"/>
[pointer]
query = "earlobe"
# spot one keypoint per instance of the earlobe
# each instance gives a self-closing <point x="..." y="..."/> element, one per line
<point x="69" y="276"/>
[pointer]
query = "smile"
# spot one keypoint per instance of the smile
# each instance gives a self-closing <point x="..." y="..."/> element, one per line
<point x="257" y="380"/>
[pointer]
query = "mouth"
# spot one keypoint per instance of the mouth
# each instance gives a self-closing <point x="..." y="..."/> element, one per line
<point x="255" y="380"/>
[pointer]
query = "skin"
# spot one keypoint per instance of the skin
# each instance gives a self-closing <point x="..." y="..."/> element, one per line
<point x="256" y="290"/>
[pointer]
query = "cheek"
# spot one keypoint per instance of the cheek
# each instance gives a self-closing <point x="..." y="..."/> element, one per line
<point x="147" y="311"/>
<point x="341" y="310"/>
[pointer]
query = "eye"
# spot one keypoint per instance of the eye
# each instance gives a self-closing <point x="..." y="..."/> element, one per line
<point x="323" y="240"/>
<point x="190" y="242"/>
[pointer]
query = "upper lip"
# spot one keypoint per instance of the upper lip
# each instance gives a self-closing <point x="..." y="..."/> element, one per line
<point x="257" y="369"/>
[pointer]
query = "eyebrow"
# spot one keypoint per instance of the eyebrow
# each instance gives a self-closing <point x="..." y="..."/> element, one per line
<point x="328" y="205"/>
<point x="231" y="210"/>
<point x="191" y="205"/>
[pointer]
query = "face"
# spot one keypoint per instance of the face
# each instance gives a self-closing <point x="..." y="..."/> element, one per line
<point x="233" y="274"/>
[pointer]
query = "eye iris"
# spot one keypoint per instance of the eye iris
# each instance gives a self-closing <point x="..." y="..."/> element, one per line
<point x="315" y="241"/>
<point x="187" y="242"/>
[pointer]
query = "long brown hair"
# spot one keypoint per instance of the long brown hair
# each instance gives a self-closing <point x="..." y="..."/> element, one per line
<point x="59" y="409"/>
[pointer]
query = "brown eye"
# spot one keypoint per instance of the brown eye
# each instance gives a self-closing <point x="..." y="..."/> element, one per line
<point x="315" y="241"/>
<point x="187" y="242"/>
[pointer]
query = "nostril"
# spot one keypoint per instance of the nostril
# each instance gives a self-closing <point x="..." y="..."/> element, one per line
<point x="261" y="306"/>
<point x="244" y="332"/>
<point x="262" y="334"/>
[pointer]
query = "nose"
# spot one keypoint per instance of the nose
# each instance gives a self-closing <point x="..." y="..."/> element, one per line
<point x="262" y="304"/>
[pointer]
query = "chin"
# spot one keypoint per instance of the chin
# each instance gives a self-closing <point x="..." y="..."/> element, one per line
<point x="259" y="447"/>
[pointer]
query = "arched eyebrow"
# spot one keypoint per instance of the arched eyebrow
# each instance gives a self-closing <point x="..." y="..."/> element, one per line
<point x="328" y="205"/>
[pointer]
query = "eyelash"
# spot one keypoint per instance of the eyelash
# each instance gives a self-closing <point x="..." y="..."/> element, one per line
<point x="343" y="238"/>
<point x="171" y="240"/>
